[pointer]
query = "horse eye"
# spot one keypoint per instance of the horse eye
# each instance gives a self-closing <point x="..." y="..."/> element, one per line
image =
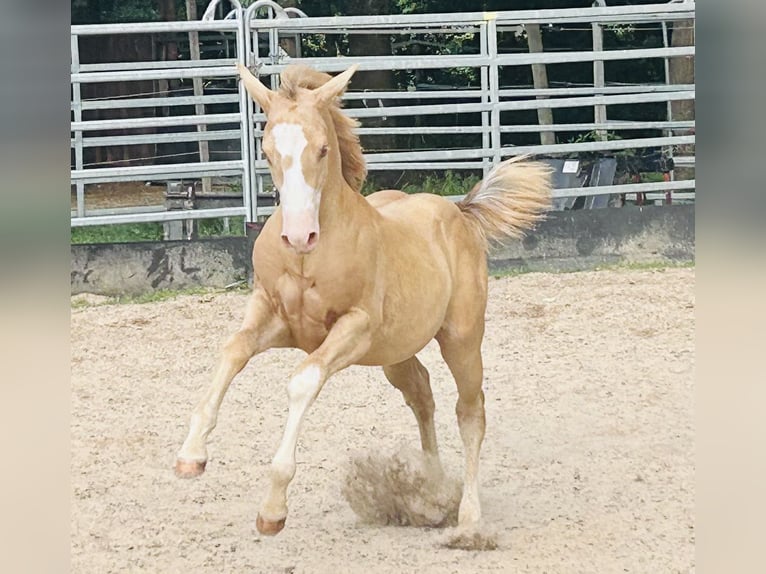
<point x="323" y="151"/>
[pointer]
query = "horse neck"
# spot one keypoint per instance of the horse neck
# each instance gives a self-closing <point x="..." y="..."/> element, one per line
<point x="341" y="208"/>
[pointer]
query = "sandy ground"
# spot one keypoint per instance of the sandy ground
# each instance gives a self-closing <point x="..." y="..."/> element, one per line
<point x="587" y="465"/>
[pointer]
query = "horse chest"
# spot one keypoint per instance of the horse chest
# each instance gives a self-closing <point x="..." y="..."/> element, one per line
<point x="304" y="308"/>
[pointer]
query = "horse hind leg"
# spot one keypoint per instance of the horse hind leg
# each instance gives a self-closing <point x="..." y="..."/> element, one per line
<point x="463" y="357"/>
<point x="261" y="330"/>
<point x="412" y="379"/>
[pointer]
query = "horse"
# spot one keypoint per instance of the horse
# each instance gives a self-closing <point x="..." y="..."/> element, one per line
<point x="355" y="280"/>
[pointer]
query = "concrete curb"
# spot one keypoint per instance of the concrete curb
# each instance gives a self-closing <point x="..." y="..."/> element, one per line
<point x="566" y="241"/>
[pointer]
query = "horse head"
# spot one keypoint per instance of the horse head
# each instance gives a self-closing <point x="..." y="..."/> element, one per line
<point x="301" y="147"/>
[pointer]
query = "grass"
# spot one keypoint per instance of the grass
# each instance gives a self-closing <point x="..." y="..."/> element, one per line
<point x="169" y="294"/>
<point x="624" y="266"/>
<point x="80" y="302"/>
<point x="122" y="233"/>
<point x="133" y="232"/>
<point x="646" y="266"/>
<point x="450" y="183"/>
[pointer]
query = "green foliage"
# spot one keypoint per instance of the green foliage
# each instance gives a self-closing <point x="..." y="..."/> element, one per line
<point x="593" y="136"/>
<point x="450" y="183"/>
<point x="135" y="232"/>
<point x="621" y="31"/>
<point x="114" y="11"/>
<point x="206" y="293"/>
<point x="122" y="233"/>
<point x="216" y="228"/>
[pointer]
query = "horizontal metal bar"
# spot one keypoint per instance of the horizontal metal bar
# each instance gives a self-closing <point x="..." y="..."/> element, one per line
<point x="424" y="166"/>
<point x="328" y="64"/>
<point x="659" y="11"/>
<point x="610" y="189"/>
<point x="418" y="110"/>
<point x="214" y="135"/>
<point x="623" y="188"/>
<point x="420" y="130"/>
<point x="157" y="65"/>
<point x="592" y="90"/>
<point x="675" y="195"/>
<point x="167" y="121"/>
<point x="589" y="15"/>
<point x="333" y="64"/>
<point x="610" y="145"/>
<point x="174" y="215"/>
<point x="154" y="74"/>
<point x="121" y="210"/>
<point x="370" y="63"/>
<point x="408" y="110"/>
<point x="615" y="125"/>
<point x="411" y="95"/>
<point x="153" y="27"/>
<point x="525" y="59"/>
<point x="416" y="156"/>
<point x="169" y="171"/>
<point x="612" y="125"/>
<point x="517" y="92"/>
<point x="125" y="103"/>
<point x="684" y="160"/>
<point x="590" y="101"/>
<point x="389" y="31"/>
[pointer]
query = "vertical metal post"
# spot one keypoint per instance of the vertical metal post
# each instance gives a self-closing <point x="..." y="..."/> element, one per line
<point x="246" y="122"/>
<point x="77" y="111"/>
<point x="494" y="85"/>
<point x="485" y="135"/>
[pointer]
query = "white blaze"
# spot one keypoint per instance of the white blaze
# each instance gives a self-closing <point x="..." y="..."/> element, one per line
<point x="295" y="195"/>
<point x="300" y="201"/>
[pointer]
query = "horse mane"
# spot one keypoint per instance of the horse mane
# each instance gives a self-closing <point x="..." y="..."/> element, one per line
<point x="297" y="77"/>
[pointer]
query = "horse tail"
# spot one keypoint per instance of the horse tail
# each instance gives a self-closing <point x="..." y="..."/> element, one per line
<point x="509" y="201"/>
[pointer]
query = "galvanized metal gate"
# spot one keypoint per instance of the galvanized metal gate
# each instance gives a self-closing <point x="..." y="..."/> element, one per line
<point x="254" y="36"/>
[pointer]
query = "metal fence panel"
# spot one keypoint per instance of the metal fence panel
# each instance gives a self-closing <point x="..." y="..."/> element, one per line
<point x="486" y="109"/>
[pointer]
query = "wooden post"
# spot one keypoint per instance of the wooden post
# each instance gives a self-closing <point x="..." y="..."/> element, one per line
<point x="681" y="71"/>
<point x="199" y="109"/>
<point x="599" y="110"/>
<point x="540" y="81"/>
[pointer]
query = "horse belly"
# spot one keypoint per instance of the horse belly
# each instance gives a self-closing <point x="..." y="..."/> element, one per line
<point x="409" y="321"/>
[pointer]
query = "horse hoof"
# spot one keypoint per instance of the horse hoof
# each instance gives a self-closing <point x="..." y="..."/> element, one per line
<point x="269" y="527"/>
<point x="189" y="468"/>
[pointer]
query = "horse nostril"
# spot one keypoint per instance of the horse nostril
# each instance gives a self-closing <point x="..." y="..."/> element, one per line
<point x="286" y="241"/>
<point x="312" y="239"/>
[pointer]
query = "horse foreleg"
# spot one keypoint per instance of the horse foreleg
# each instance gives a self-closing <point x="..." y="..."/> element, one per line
<point x="347" y="342"/>
<point x="412" y="379"/>
<point x="261" y="330"/>
<point x="463" y="357"/>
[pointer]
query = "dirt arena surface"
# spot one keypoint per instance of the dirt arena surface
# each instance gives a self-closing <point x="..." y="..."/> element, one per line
<point x="587" y="465"/>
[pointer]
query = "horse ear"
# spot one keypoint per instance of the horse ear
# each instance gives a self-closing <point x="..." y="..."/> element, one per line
<point x="334" y="87"/>
<point x="255" y="88"/>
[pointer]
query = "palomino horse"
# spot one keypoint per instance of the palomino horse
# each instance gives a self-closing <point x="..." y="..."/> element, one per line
<point x="364" y="281"/>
